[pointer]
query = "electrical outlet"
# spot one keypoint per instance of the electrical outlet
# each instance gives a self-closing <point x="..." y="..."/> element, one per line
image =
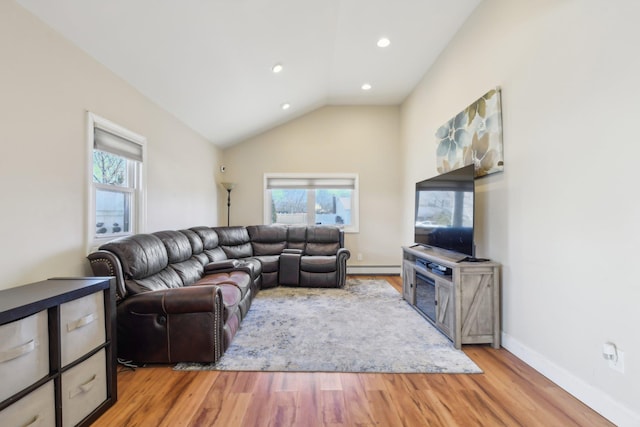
<point x="359" y="257"/>
<point x="614" y="356"/>
<point x="618" y="364"/>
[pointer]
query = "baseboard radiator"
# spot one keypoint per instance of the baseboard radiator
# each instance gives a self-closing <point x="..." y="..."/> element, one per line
<point x="372" y="270"/>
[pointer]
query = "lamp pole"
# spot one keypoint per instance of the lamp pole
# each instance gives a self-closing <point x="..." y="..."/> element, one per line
<point x="228" y="186"/>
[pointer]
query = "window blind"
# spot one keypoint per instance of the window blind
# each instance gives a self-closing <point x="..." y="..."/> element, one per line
<point x="115" y="144"/>
<point x="274" y="183"/>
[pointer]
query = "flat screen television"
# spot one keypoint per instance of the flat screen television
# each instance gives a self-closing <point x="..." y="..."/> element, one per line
<point x="444" y="211"/>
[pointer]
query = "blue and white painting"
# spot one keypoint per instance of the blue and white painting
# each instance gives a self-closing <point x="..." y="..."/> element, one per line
<point x="473" y="136"/>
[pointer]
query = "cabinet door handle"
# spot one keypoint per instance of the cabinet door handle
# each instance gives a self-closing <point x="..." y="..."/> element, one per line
<point x="83" y="388"/>
<point x="83" y="321"/>
<point x="14" y="353"/>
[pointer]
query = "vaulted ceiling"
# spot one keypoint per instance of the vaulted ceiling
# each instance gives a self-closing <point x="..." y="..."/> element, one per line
<point x="210" y="62"/>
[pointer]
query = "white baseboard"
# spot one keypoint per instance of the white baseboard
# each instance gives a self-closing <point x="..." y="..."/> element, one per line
<point x="373" y="270"/>
<point x="595" y="398"/>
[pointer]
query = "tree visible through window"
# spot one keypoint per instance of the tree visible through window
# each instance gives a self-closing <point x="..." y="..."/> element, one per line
<point x="113" y="205"/>
<point x="108" y="168"/>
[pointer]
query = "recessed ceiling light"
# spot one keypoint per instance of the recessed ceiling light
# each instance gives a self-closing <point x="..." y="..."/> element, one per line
<point x="366" y="86"/>
<point x="285" y="106"/>
<point x="277" y="68"/>
<point x="384" y="42"/>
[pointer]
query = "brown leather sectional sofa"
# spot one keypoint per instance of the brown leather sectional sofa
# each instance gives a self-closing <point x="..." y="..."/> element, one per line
<point x="182" y="294"/>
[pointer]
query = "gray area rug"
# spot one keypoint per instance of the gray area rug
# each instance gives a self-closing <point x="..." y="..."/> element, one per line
<point x="365" y="327"/>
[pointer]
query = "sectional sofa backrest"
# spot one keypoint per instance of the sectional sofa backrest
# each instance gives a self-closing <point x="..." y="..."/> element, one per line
<point x="171" y="259"/>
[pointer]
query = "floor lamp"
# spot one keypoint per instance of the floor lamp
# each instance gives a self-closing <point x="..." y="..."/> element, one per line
<point x="228" y="186"/>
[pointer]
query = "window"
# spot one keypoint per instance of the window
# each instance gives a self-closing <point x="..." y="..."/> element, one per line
<point x="116" y="196"/>
<point x="329" y="199"/>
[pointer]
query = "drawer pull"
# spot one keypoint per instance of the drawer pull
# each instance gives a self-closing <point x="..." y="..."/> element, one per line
<point x="14" y="353"/>
<point x="83" y="321"/>
<point x="36" y="421"/>
<point x="83" y="388"/>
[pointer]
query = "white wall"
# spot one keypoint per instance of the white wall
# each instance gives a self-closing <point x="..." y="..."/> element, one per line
<point x="564" y="217"/>
<point x="46" y="87"/>
<point x="362" y="140"/>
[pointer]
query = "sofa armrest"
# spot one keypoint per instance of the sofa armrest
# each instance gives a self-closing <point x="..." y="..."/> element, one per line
<point x="343" y="253"/>
<point x="105" y="263"/>
<point x="342" y="256"/>
<point x="192" y="299"/>
<point x="221" y="266"/>
<point x="229" y="265"/>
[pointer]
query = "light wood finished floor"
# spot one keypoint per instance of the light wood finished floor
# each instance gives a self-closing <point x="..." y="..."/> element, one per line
<point x="508" y="393"/>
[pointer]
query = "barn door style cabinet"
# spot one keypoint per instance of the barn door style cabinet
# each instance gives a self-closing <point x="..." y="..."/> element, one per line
<point x="57" y="352"/>
<point x="461" y="299"/>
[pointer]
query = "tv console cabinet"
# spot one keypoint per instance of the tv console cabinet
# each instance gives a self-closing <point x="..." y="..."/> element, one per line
<point x="463" y="301"/>
<point x="57" y="352"/>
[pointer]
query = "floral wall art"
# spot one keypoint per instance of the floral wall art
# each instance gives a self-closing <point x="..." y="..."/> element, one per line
<point x="473" y="136"/>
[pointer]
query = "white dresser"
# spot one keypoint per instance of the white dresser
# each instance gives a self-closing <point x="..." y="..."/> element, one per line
<point x="57" y="352"/>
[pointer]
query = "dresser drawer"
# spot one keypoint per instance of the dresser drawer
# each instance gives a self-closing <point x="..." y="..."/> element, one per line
<point x="35" y="409"/>
<point x="24" y="353"/>
<point x="81" y="326"/>
<point x="84" y="388"/>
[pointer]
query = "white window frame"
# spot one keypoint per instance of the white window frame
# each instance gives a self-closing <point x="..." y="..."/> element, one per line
<point x="318" y="178"/>
<point x="136" y="172"/>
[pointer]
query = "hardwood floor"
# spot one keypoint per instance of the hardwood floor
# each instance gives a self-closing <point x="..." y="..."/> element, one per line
<point x="508" y="393"/>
